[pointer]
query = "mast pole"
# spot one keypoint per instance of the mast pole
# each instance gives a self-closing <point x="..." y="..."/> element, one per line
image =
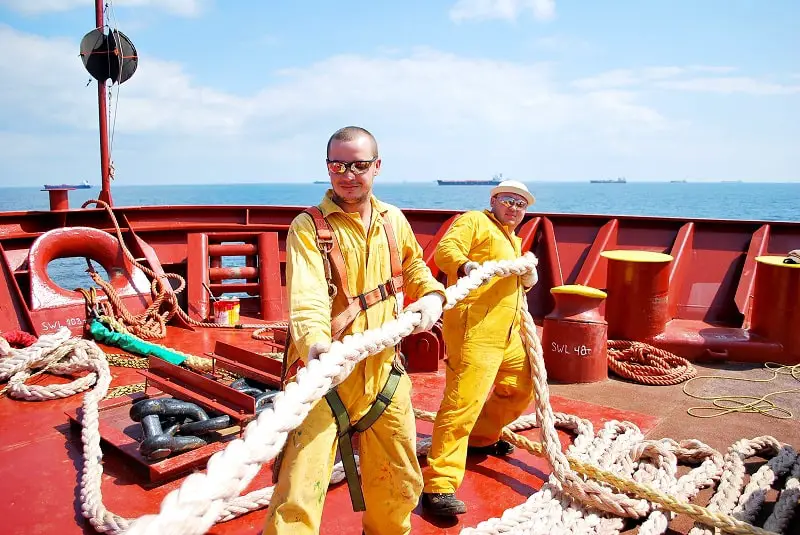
<point x="102" y="106"/>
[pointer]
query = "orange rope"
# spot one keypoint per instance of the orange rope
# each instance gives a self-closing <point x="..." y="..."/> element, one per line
<point x="152" y="323"/>
<point x="646" y="364"/>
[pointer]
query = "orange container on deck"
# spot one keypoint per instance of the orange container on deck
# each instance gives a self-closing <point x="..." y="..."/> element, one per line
<point x="638" y="288"/>
<point x="574" y="336"/>
<point x="776" y="304"/>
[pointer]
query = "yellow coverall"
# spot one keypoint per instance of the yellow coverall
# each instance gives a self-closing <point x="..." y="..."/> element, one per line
<point x="390" y="472"/>
<point x="484" y="350"/>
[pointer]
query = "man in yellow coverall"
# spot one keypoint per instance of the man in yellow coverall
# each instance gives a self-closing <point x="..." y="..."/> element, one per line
<point x="371" y="258"/>
<point x="484" y="347"/>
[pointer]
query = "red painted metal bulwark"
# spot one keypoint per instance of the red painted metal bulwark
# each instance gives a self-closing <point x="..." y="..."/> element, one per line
<point x="681" y="253"/>
<point x="527" y="232"/>
<point x="269" y="270"/>
<point x="744" y="291"/>
<point x="553" y="258"/>
<point x="430" y="248"/>
<point x="590" y="274"/>
<point x="197" y="275"/>
<point x="13" y="313"/>
<point x="714" y="261"/>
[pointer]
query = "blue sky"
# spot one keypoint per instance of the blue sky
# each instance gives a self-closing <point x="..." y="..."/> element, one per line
<point x="540" y="90"/>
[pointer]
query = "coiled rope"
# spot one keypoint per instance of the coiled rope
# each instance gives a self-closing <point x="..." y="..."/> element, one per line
<point x="648" y="365"/>
<point x="152" y="323"/>
<point x="732" y="404"/>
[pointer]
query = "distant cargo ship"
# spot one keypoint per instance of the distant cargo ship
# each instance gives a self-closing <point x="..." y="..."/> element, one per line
<point x="617" y="181"/>
<point x="83" y="185"/>
<point x="322" y="182"/>
<point x="496" y="179"/>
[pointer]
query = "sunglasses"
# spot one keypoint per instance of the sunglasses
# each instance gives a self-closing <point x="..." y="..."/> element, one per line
<point x="358" y="167"/>
<point x="510" y="202"/>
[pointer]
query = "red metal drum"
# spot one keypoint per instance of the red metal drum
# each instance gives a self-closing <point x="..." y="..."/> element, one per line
<point x="574" y="336"/>
<point x="776" y="309"/>
<point x="638" y="287"/>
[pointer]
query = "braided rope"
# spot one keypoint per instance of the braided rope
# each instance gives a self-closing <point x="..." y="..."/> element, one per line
<point x="152" y="323"/>
<point x="194" y="506"/>
<point x="648" y="365"/>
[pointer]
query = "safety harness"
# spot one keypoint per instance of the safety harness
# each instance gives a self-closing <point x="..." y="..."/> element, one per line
<point x="334" y="266"/>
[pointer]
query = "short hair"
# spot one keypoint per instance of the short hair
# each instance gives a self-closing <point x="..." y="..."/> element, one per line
<point x="350" y="133"/>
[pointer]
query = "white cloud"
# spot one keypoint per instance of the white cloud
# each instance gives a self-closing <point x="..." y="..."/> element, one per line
<point x="542" y="10"/>
<point x="684" y="79"/>
<point x="435" y="114"/>
<point x="425" y="87"/>
<point x="185" y="8"/>
<point x="728" y="85"/>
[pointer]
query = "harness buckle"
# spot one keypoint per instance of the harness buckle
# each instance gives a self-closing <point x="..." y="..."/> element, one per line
<point x="389" y="284"/>
<point x="382" y="289"/>
<point x="325" y="245"/>
<point x="363" y="300"/>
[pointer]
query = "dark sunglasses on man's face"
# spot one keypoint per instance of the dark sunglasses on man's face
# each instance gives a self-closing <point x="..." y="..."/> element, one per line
<point x="510" y="202"/>
<point x="358" y="167"/>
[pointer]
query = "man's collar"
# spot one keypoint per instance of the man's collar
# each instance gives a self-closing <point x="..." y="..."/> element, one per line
<point x="328" y="206"/>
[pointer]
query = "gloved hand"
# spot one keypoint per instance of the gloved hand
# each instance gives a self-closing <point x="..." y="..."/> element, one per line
<point x="469" y="266"/>
<point x="530" y="279"/>
<point x="430" y="308"/>
<point x="318" y="349"/>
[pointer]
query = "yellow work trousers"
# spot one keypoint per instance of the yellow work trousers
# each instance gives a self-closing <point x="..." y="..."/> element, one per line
<point x="466" y="417"/>
<point x="390" y="474"/>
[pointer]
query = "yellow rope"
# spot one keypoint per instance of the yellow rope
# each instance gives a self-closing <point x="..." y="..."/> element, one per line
<point x="721" y="405"/>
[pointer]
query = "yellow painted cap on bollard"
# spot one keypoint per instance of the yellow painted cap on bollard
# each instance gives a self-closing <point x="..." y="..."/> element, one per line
<point x="634" y="255"/>
<point x="579" y="289"/>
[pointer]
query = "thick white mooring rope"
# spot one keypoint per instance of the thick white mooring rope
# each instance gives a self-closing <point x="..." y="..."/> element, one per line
<point x="204" y="499"/>
<point x="194" y="507"/>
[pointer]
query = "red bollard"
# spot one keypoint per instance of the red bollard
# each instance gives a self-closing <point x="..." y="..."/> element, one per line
<point x="638" y="288"/>
<point x="776" y="313"/>
<point x="574" y="336"/>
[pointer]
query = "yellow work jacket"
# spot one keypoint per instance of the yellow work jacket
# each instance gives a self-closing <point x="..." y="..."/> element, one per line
<point x="494" y="307"/>
<point x="366" y="256"/>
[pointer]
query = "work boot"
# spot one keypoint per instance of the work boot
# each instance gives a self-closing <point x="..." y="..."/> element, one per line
<point x="439" y="504"/>
<point x="501" y="448"/>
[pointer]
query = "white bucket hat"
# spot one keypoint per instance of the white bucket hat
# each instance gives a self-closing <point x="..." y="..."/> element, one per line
<point x="512" y="186"/>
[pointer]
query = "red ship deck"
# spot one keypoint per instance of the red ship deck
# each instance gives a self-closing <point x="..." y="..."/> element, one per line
<point x="39" y="435"/>
<point x="40" y="459"/>
<point x="712" y="284"/>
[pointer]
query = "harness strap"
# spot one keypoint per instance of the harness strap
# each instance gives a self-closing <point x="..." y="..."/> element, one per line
<point x="333" y="262"/>
<point x="326" y="243"/>
<point x="359" y="303"/>
<point x="345" y="431"/>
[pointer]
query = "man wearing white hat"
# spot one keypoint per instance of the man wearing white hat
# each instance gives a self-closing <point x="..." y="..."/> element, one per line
<point x="488" y="382"/>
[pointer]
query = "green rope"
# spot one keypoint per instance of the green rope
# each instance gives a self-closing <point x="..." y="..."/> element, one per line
<point x="132" y="344"/>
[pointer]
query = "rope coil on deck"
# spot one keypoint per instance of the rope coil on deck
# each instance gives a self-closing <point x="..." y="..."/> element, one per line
<point x="648" y="365"/>
<point x="205" y="498"/>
